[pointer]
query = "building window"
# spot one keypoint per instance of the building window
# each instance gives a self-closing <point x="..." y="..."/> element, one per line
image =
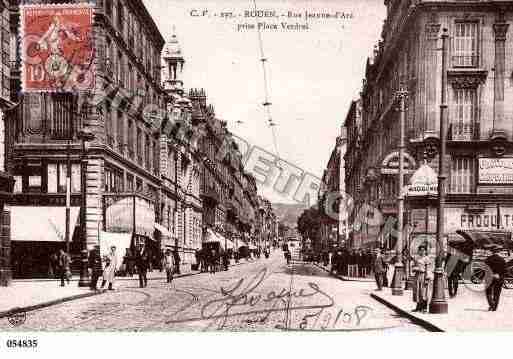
<point x="60" y="114"/>
<point x="465" y="51"/>
<point x="121" y="131"/>
<point x="156" y="165"/>
<point x="139" y="147"/>
<point x="121" y="16"/>
<point x="57" y="174"/>
<point x="108" y="8"/>
<point x="131" y="139"/>
<point x="5" y="43"/>
<point x="139" y="185"/>
<point x="147" y="159"/>
<point x="464" y="114"/>
<point x="121" y="70"/>
<point x="130" y="183"/>
<point x="463" y="175"/>
<point x="113" y="180"/>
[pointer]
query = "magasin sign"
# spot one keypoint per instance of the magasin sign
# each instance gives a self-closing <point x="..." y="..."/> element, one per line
<point x="496" y="171"/>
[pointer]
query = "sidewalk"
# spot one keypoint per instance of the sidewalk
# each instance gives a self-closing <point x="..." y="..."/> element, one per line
<point x="344" y="278"/>
<point x="467" y="312"/>
<point x="28" y="295"/>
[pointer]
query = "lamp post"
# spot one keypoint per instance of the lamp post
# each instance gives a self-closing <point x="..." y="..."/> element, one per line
<point x="84" y="136"/>
<point x="397" y="288"/>
<point x="438" y="304"/>
<point x="68" y="196"/>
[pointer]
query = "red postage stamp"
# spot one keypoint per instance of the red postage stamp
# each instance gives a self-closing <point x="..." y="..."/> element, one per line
<point x="57" y="47"/>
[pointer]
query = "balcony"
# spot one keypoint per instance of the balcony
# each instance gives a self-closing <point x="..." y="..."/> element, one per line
<point x="463" y="132"/>
<point x="465" y="61"/>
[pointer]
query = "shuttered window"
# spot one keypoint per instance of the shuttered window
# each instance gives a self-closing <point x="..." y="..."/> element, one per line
<point x="465" y="44"/>
<point x="464" y="114"/>
<point x="463" y="175"/>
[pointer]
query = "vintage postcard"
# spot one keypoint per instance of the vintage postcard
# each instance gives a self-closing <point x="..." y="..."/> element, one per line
<point x="255" y="166"/>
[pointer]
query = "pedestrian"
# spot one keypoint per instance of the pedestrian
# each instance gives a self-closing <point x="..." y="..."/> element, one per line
<point x="379" y="269"/>
<point x="334" y="262"/>
<point x="64" y="262"/>
<point x="142" y="261"/>
<point x="497" y="265"/>
<point x="95" y="263"/>
<point x="169" y="264"/>
<point x="52" y="271"/>
<point x="109" y="272"/>
<point x="177" y="261"/>
<point x="423" y="283"/>
<point x="212" y="261"/>
<point x="130" y="263"/>
<point x="454" y="268"/>
<point x="226" y="261"/>
<point x="287" y="257"/>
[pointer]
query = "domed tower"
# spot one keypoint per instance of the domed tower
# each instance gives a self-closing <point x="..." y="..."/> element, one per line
<point x="173" y="62"/>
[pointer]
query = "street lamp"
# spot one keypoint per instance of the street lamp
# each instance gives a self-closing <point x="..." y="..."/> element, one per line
<point x="84" y="136"/>
<point x="438" y="304"/>
<point x="397" y="288"/>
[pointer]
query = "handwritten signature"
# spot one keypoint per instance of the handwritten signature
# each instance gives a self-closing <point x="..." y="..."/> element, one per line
<point x="242" y="299"/>
<point x="242" y="295"/>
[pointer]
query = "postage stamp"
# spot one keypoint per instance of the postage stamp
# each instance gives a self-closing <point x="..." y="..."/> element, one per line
<point x="57" y="47"/>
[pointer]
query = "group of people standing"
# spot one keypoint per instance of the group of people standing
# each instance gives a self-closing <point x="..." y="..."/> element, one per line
<point x="107" y="267"/>
<point x="212" y="260"/>
<point x="352" y="263"/>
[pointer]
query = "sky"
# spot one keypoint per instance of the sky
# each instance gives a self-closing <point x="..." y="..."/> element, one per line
<point x="312" y="75"/>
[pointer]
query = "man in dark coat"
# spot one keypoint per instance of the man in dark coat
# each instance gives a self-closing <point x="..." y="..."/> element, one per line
<point x="497" y="265"/>
<point x="64" y="263"/>
<point x="142" y="260"/>
<point x="177" y="261"/>
<point x="95" y="263"/>
<point x="334" y="262"/>
<point x="379" y="268"/>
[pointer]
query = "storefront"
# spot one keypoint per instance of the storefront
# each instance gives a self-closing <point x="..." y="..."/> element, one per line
<point x="37" y="235"/>
<point x="132" y="215"/>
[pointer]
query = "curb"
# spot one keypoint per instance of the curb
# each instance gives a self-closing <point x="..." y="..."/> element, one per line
<point x="31" y="308"/>
<point x="421" y="322"/>
<point x="18" y="310"/>
<point x="121" y="278"/>
<point x="342" y="278"/>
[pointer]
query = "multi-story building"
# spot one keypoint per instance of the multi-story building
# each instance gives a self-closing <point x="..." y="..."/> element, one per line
<point x="6" y="180"/>
<point x="333" y="226"/>
<point x="121" y="158"/>
<point x="479" y="109"/>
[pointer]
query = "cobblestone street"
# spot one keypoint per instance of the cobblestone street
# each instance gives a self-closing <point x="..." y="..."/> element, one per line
<point x="252" y="296"/>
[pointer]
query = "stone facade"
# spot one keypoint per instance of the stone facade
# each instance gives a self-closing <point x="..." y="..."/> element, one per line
<point x="479" y="73"/>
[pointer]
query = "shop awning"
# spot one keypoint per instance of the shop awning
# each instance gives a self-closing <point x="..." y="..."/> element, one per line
<point x="163" y="230"/>
<point x="471" y="240"/>
<point x="41" y="224"/>
<point x="213" y="237"/>
<point x="121" y="241"/>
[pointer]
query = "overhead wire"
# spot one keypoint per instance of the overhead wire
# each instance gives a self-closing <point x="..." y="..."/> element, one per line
<point x="267" y="105"/>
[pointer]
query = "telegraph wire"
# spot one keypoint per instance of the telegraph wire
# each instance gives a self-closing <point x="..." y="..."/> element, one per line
<point x="267" y="103"/>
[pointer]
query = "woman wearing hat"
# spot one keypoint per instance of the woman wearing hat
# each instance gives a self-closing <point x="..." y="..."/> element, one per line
<point x="423" y="284"/>
<point x="109" y="272"/>
<point x="169" y="264"/>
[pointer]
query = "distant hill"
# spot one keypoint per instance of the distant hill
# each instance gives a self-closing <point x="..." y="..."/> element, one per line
<point x="288" y="213"/>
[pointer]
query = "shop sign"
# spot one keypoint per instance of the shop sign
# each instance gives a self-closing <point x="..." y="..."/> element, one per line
<point x="496" y="171"/>
<point x="57" y="47"/>
<point x="423" y="182"/>
<point x="390" y="165"/>
<point x="459" y="219"/>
